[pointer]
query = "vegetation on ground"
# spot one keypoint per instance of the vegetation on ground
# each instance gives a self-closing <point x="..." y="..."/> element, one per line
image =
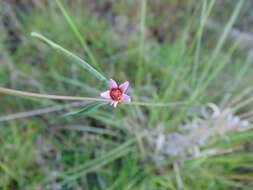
<point x="189" y="65"/>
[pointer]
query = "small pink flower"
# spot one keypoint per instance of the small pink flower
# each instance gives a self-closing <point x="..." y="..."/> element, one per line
<point x="116" y="93"/>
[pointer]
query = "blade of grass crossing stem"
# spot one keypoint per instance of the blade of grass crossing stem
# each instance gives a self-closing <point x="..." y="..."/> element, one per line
<point x="87" y="109"/>
<point x="221" y="41"/>
<point x="70" y="55"/>
<point x="77" y="34"/>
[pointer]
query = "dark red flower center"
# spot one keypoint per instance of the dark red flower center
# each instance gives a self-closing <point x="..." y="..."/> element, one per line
<point x="116" y="94"/>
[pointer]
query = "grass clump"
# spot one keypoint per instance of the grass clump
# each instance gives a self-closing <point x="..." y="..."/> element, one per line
<point x="156" y="142"/>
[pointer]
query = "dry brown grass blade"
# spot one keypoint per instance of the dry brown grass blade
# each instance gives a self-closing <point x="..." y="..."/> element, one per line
<point x="239" y="97"/>
<point x="243" y="103"/>
<point x="246" y="114"/>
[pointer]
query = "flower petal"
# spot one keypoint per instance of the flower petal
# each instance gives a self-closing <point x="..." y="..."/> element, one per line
<point x="114" y="103"/>
<point x="106" y="94"/>
<point x="124" y="86"/>
<point x="113" y="84"/>
<point x="126" y="98"/>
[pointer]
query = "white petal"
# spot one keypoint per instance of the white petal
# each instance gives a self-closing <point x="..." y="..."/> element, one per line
<point x="126" y="98"/>
<point x="114" y="103"/>
<point x="113" y="84"/>
<point x="106" y="94"/>
<point x="124" y="86"/>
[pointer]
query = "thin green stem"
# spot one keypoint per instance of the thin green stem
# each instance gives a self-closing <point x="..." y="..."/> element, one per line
<point x="46" y="96"/>
<point x="221" y="42"/>
<point x="205" y="12"/>
<point x="142" y="27"/>
<point x="141" y="44"/>
<point x="58" y="97"/>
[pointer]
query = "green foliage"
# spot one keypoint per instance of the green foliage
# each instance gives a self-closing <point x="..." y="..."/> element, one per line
<point x="73" y="57"/>
<point x="168" y="54"/>
<point x="87" y="109"/>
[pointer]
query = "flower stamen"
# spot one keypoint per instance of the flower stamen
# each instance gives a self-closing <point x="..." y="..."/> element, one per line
<point x="117" y="93"/>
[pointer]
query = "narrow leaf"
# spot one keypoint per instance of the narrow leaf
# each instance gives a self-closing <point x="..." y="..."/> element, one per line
<point x="70" y="55"/>
<point x="85" y="110"/>
<point x="78" y="34"/>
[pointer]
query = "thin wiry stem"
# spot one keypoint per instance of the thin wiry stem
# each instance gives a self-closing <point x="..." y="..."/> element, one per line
<point x="46" y="96"/>
<point x="155" y="104"/>
<point x="57" y="97"/>
<point x="41" y="111"/>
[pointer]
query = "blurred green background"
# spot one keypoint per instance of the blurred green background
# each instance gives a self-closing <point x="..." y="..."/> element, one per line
<point x="198" y="52"/>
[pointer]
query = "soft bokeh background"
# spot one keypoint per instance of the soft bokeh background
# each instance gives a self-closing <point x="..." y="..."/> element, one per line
<point x="195" y="51"/>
